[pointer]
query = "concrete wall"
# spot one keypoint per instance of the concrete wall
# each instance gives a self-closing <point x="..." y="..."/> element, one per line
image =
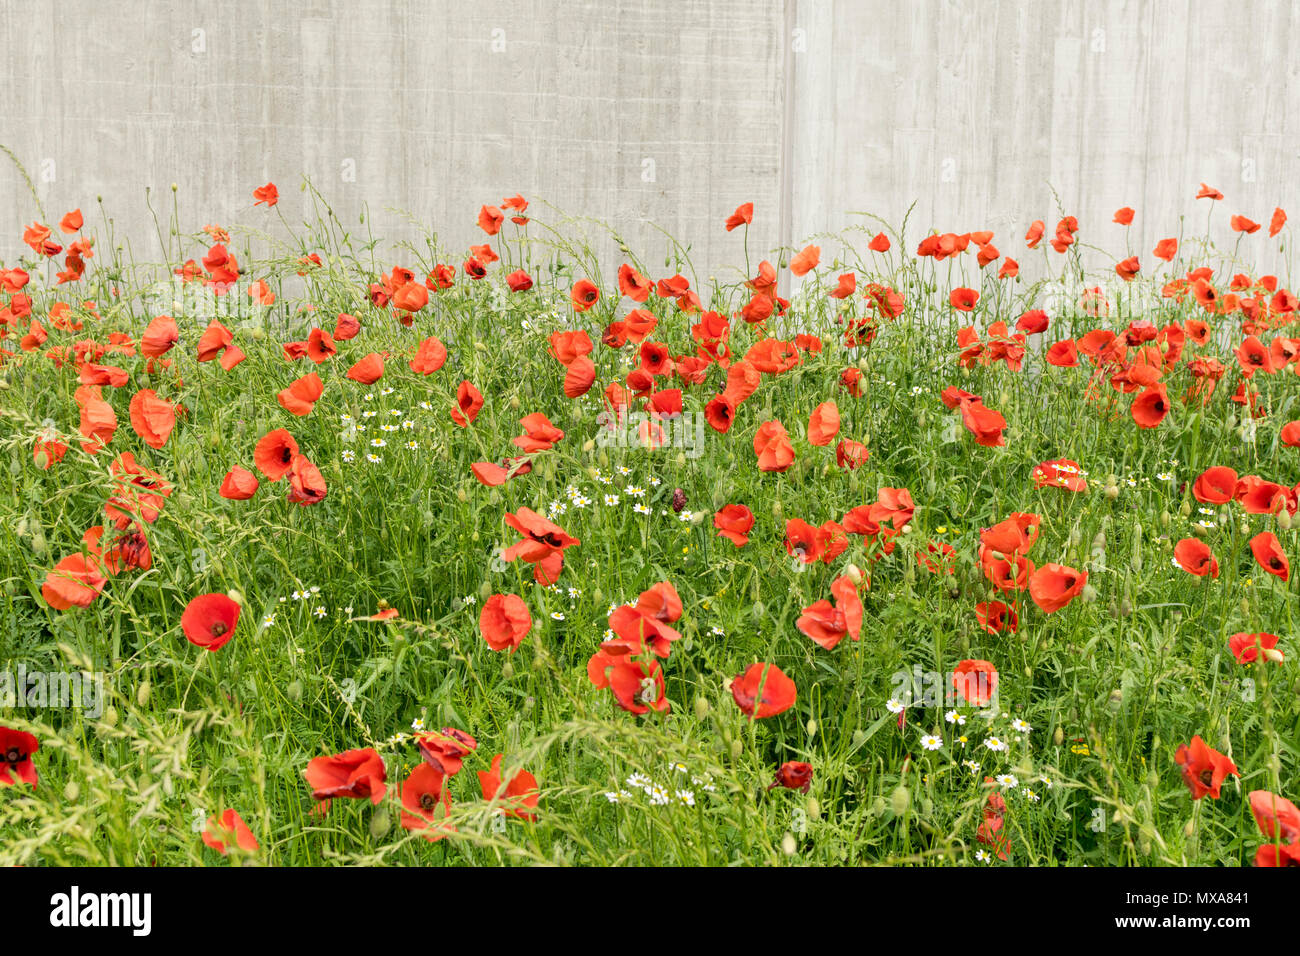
<point x="663" y="111"/>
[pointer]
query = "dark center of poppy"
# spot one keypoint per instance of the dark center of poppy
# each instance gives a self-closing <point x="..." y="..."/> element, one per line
<point x="550" y="538"/>
<point x="219" y="628"/>
<point x="1207" y="777"/>
<point x="427" y="801"/>
<point x="14" y="755"/>
<point x="285" y="455"/>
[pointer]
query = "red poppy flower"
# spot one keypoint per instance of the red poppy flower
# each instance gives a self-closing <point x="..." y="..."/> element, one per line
<point x="1061" y="473"/>
<point x="369" y="370"/>
<point x="793" y="775"/>
<point x="851" y="454"/>
<point x="209" y="621"/>
<point x="1166" y="249"/>
<point x="221" y="833"/>
<point x="504" y="621"/>
<point x="975" y="681"/>
<point x="1151" y="407"/>
<point x="584" y="295"/>
<point x="823" y="424"/>
<point x="1209" y="192"/>
<point x="773" y="448"/>
<point x="159" y="338"/>
<point x="1277" y="222"/>
<point x="74" y="582"/>
<point x="543" y="544"/>
<point x="152" y="418"/>
<point x="826" y="625"/>
<point x="306" y="483"/>
<point x="490" y="219"/>
<point x="1195" y="557"/>
<point x="274" y="454"/>
<point x="16" y="749"/>
<point x="1247" y="648"/>
<point x="1269" y="555"/>
<point x="353" y="773"/>
<point x="1215" y="486"/>
<point x="996" y="617"/>
<point x="1053" y="586"/>
<point x="518" y="797"/>
<point x="445" y="750"/>
<point x="579" y="376"/>
<point x="469" y="401"/>
<point x="240" y="484"/>
<point x="763" y="690"/>
<point x="806" y="261"/>
<point x="734" y="523"/>
<point x="426" y="803"/>
<point x="743" y="216"/>
<point x="984" y="423"/>
<point x="266" y="194"/>
<point x="1279" y="820"/>
<point x="1124" y="216"/>
<point x="637" y="686"/>
<point x="47" y="453"/>
<point x="411" y="297"/>
<point x="1035" y="233"/>
<point x="346" y="327"/>
<point x="1204" y="768"/>
<point x="301" y="395"/>
<point x="964" y="299"/>
<point x="429" y="357"/>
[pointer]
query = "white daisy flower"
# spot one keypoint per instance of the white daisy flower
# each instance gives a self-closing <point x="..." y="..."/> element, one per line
<point x="1006" y="780"/>
<point x="895" y="706"/>
<point x="931" y="742"/>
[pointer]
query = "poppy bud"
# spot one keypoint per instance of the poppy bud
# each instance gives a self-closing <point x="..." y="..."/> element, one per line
<point x="1186" y="509"/>
<point x="900" y="800"/>
<point x="258" y="333"/>
<point x="294" y="691"/>
<point x="1058" y="737"/>
<point x="1189" y="828"/>
<point x="737" y="748"/>
<point x="38" y="541"/>
<point x="788" y="845"/>
<point x="589" y="444"/>
<point x="853" y="573"/>
<point x="1245" y="606"/>
<point x="380" y="824"/>
<point x="507" y="670"/>
<point x="877" y="806"/>
<point x="461" y="496"/>
<point x="701" y="707"/>
<point x="1284" y="520"/>
<point x="1164" y="520"/>
<point x="811" y="727"/>
<point x="142" y="694"/>
<point x="1112" y="492"/>
<point x="776" y="509"/>
<point x="759" y="610"/>
<point x="1274" y="655"/>
<point x="1125" y="607"/>
<point x="485" y="590"/>
<point x="814" y="809"/>
<point x="71" y="792"/>
<point x="1116" y="699"/>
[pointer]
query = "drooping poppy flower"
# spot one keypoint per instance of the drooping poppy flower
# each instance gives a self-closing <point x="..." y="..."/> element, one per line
<point x="1166" y="249"/>
<point x="274" y="454"/>
<point x="773" y="448"/>
<point x="793" y="775"/>
<point x="306" y="483"/>
<point x="1204" y="769"/>
<point x="469" y="401"/>
<point x="152" y="418"/>
<point x="743" y="216"/>
<point x="579" y="376"/>
<point x="369" y="370"/>
<point x="823" y="424"/>
<point x="445" y="750"/>
<point x="74" y="582"/>
<point x="302" y="394"/>
<point x="353" y="773"/>
<point x="1208" y="192"/>
<point x="346" y="327"/>
<point x="734" y="523"/>
<point x="984" y="423"/>
<point x="518" y="797"/>
<point x="1277" y="222"/>
<point x="411" y="297"/>
<point x="1269" y="555"/>
<point x="851" y="454"/>
<point x="763" y="690"/>
<point x="426" y="803"/>
<point x="209" y="621"/>
<point x="16" y="749"/>
<point x="1195" y="557"/>
<point x="1247" y="648"/>
<point x="806" y="260"/>
<point x="826" y="624"/>
<point x="240" y="484"/>
<point x="266" y="194"/>
<point x="504" y="622"/>
<point x="542" y="546"/>
<point x="159" y="338"/>
<point x="490" y="219"/>
<point x="975" y="681"/>
<point x="637" y="686"/>
<point x="1035" y="233"/>
<point x="229" y="830"/>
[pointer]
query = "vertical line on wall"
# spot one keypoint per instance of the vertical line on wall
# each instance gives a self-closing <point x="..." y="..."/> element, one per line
<point x="785" y="220"/>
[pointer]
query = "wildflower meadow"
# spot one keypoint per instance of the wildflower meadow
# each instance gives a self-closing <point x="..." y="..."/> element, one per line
<point x="899" y="546"/>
